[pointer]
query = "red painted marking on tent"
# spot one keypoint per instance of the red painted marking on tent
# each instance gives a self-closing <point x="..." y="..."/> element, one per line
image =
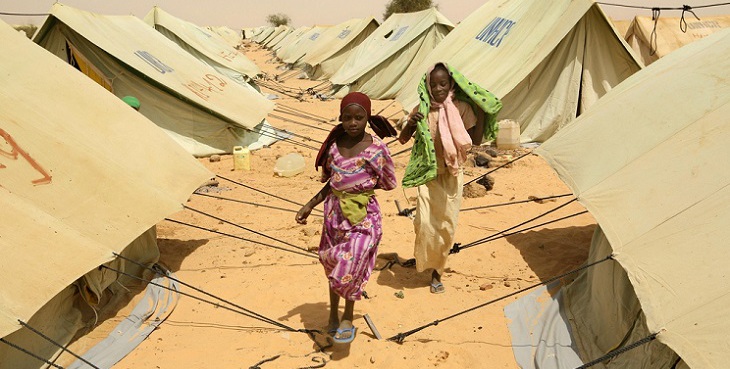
<point x="228" y="55"/>
<point x="17" y="150"/>
<point x="211" y="83"/>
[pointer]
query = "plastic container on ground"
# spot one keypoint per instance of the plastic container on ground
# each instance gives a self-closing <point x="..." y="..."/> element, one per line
<point x="289" y="165"/>
<point x="241" y="158"/>
<point x="508" y="137"/>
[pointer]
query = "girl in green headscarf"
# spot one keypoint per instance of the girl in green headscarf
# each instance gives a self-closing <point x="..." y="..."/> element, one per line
<point x="453" y="115"/>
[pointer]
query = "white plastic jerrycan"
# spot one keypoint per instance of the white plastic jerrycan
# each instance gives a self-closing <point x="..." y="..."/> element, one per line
<point x="289" y="165"/>
<point x="241" y="158"/>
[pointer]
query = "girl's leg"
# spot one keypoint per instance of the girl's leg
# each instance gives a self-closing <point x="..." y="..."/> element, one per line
<point x="334" y="320"/>
<point x="346" y="323"/>
<point x="435" y="277"/>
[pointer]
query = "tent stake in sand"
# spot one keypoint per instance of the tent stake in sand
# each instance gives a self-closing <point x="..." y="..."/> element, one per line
<point x="372" y="326"/>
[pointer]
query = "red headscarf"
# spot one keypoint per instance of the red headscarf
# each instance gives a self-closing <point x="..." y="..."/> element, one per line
<point x="379" y="125"/>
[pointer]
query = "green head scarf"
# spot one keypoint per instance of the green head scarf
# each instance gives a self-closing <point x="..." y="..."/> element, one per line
<point x="422" y="166"/>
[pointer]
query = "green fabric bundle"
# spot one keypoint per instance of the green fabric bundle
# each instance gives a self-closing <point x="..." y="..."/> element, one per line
<point x="354" y="206"/>
<point x="422" y="166"/>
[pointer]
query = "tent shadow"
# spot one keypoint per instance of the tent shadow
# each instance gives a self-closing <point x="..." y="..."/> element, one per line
<point x="397" y="276"/>
<point x="553" y="251"/>
<point x="173" y="251"/>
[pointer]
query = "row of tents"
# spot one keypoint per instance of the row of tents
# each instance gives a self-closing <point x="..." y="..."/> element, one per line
<point x="549" y="63"/>
<point x="190" y="81"/>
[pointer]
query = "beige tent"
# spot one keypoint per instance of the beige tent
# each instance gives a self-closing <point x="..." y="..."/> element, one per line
<point x="335" y="45"/>
<point x="621" y="26"/>
<point x="232" y="37"/>
<point x="84" y="177"/>
<point x="277" y="31"/>
<point x="648" y="161"/>
<point x="291" y="37"/>
<point x="653" y="40"/>
<point x="293" y="52"/>
<point x="376" y="67"/>
<point x="548" y="61"/>
<point x="275" y="40"/>
<point x="200" y="108"/>
<point x="260" y="35"/>
<point x="205" y="46"/>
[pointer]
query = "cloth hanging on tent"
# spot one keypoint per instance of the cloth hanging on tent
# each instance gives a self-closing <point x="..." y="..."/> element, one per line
<point x="422" y="166"/>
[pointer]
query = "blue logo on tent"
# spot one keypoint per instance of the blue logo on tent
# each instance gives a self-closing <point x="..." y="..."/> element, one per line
<point x="398" y="34"/>
<point x="495" y="32"/>
<point x="153" y="61"/>
<point x="344" y="33"/>
<point x="314" y="36"/>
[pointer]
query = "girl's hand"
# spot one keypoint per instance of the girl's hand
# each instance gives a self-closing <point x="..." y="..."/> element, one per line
<point x="414" y="119"/>
<point x="302" y="214"/>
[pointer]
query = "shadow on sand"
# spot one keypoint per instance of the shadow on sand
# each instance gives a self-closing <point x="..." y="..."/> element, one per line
<point x="173" y="251"/>
<point x="553" y="251"/>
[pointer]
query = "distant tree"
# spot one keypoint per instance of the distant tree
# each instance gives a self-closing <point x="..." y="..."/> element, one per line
<point x="278" y="19"/>
<point x="406" y="6"/>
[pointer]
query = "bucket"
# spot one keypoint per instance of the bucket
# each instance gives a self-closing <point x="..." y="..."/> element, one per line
<point x="241" y="158"/>
<point x="289" y="165"/>
<point x="508" y="137"/>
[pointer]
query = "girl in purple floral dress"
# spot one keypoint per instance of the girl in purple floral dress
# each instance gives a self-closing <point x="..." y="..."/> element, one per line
<point x="354" y="164"/>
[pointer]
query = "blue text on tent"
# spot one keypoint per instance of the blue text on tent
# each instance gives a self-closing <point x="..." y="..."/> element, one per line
<point x="344" y="33"/>
<point x="153" y="61"/>
<point x="399" y="33"/>
<point x="495" y="31"/>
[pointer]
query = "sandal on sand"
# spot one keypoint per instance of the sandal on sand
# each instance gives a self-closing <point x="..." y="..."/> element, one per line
<point x="437" y="287"/>
<point x="340" y="331"/>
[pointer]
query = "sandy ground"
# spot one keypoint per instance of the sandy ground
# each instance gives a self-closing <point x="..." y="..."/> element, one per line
<point x="292" y="289"/>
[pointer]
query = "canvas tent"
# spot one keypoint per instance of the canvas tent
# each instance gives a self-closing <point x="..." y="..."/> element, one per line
<point x="290" y="38"/>
<point x="376" y="67"/>
<point x="621" y="26"/>
<point x="232" y="37"/>
<point x="646" y="161"/>
<point x="277" y="31"/>
<point x="655" y="39"/>
<point x="264" y="34"/>
<point x="76" y="191"/>
<point x="293" y="52"/>
<point x="275" y="40"/>
<point x="548" y="61"/>
<point x="203" y="45"/>
<point x="193" y="103"/>
<point x="335" y="45"/>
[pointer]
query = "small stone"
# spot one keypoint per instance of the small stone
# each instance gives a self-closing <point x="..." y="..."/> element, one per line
<point x="485" y="287"/>
<point x="507" y="284"/>
<point x="249" y="251"/>
<point x="399" y="294"/>
<point x="372" y="360"/>
<point x="214" y="158"/>
<point x="491" y="152"/>
<point x="474" y="190"/>
<point x="482" y="159"/>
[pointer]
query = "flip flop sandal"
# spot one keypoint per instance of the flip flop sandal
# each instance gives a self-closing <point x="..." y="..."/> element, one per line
<point x="437" y="288"/>
<point x="352" y="330"/>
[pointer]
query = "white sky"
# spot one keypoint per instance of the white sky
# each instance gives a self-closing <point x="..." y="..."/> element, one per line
<point x="248" y="13"/>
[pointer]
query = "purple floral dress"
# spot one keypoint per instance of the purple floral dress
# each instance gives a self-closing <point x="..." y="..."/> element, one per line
<point x="348" y="251"/>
